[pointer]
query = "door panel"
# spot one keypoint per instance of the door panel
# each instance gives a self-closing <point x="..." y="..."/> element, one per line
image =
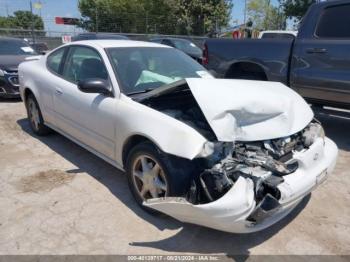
<point x="88" y="118"/>
<point x="321" y="69"/>
<point x="321" y="64"/>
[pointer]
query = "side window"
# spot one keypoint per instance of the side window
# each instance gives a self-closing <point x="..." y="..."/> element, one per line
<point x="334" y="22"/>
<point x="54" y="60"/>
<point x="168" y="42"/>
<point x="83" y="63"/>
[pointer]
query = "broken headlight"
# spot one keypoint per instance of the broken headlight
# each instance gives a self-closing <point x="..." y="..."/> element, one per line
<point x="312" y="132"/>
<point x="216" y="149"/>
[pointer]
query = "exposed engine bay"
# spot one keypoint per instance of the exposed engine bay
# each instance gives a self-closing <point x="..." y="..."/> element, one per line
<point x="264" y="162"/>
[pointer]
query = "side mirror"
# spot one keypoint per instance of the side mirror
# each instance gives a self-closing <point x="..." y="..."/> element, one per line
<point x="95" y="85"/>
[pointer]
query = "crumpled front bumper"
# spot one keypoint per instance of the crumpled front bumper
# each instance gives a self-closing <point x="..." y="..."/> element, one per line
<point x="233" y="212"/>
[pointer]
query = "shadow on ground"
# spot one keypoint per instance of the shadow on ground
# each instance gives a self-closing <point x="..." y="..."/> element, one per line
<point x="190" y="238"/>
<point x="10" y="100"/>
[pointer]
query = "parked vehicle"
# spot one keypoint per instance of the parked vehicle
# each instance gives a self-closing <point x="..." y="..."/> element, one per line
<point x="316" y="64"/>
<point x="13" y="51"/>
<point x="233" y="155"/>
<point x="278" y="34"/>
<point x="95" y="36"/>
<point x="184" y="45"/>
<point x="40" y="47"/>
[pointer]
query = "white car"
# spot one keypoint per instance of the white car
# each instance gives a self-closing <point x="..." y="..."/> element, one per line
<point x="234" y="155"/>
<point x="278" y="34"/>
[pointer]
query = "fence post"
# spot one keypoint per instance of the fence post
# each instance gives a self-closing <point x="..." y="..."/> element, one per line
<point x="32" y="24"/>
<point x="96" y="18"/>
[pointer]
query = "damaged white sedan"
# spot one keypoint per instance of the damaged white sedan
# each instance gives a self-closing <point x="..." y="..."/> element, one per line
<point x="234" y="155"/>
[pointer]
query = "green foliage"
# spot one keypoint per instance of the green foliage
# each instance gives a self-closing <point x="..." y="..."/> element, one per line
<point x="202" y="16"/>
<point x="296" y="8"/>
<point x="154" y="16"/>
<point x="22" y="20"/>
<point x="265" y="16"/>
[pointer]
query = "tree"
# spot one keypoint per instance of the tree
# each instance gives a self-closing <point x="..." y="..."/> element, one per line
<point x="265" y="16"/>
<point x="202" y="16"/>
<point x="132" y="16"/>
<point x="156" y="16"/>
<point x="22" y="20"/>
<point x="296" y="8"/>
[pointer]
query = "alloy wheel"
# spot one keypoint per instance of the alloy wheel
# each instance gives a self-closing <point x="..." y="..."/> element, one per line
<point x="34" y="116"/>
<point x="149" y="178"/>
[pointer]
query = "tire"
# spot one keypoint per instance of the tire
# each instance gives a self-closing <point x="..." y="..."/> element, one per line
<point x="175" y="174"/>
<point x="35" y="117"/>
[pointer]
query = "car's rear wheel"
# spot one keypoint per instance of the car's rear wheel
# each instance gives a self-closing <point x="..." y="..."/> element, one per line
<point x="154" y="174"/>
<point x="35" y="117"/>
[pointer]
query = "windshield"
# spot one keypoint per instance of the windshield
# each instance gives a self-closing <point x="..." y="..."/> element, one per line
<point x="187" y="46"/>
<point x="15" y="47"/>
<point x="141" y="69"/>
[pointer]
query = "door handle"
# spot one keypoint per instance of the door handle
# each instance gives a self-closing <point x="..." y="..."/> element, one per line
<point x="58" y="92"/>
<point x="316" y="50"/>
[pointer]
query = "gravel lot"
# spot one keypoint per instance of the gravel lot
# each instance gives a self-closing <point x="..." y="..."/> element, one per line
<point x="57" y="198"/>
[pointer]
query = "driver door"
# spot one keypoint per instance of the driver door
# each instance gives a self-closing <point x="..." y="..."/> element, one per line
<point x="87" y="118"/>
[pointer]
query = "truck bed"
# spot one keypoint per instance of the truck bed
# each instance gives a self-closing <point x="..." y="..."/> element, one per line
<point x="273" y="55"/>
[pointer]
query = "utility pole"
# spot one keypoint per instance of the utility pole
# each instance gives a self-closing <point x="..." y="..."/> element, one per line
<point x="96" y="18"/>
<point x="245" y="11"/>
<point x="7" y="8"/>
<point x="146" y="22"/>
<point x="32" y="24"/>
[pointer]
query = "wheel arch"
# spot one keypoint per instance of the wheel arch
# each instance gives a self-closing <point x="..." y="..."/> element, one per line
<point x="237" y="69"/>
<point x="131" y="142"/>
<point x="27" y="91"/>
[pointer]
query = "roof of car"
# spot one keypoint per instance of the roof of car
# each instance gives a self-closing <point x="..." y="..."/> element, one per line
<point x="170" y="38"/>
<point x="117" y="43"/>
<point x="10" y="38"/>
<point x="279" y="32"/>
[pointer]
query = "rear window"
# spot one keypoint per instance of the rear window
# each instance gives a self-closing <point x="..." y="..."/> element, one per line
<point x="334" y="22"/>
<point x="54" y="60"/>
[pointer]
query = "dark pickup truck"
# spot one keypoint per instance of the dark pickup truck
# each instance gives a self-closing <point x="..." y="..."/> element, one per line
<point x="316" y="63"/>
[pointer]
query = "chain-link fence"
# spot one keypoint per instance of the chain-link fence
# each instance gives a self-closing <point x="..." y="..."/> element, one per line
<point x="53" y="39"/>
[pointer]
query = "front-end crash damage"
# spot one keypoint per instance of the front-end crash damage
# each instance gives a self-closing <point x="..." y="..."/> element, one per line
<point x="255" y="173"/>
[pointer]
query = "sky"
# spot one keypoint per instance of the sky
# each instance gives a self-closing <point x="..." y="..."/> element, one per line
<point x="237" y="13"/>
<point x="69" y="8"/>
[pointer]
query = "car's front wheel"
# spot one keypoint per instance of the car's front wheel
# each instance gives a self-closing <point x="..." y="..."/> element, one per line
<point x="35" y="117"/>
<point x="154" y="174"/>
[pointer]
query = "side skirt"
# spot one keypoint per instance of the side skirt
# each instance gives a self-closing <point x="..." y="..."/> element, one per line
<point x="88" y="148"/>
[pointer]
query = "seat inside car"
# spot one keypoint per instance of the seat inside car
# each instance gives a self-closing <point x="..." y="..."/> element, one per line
<point x="92" y="68"/>
<point x="133" y="72"/>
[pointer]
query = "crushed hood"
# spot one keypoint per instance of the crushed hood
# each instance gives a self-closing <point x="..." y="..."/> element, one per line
<point x="244" y="110"/>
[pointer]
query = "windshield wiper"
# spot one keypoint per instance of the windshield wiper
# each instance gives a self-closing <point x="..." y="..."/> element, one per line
<point x="141" y="91"/>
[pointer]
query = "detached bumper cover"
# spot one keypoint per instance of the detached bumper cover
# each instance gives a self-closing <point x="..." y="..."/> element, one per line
<point x="231" y="212"/>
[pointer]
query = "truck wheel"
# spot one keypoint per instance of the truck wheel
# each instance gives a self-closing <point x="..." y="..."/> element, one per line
<point x="154" y="174"/>
<point x="35" y="117"/>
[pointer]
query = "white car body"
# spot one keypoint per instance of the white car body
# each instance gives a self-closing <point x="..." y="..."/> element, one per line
<point x="236" y="110"/>
<point x="279" y="32"/>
